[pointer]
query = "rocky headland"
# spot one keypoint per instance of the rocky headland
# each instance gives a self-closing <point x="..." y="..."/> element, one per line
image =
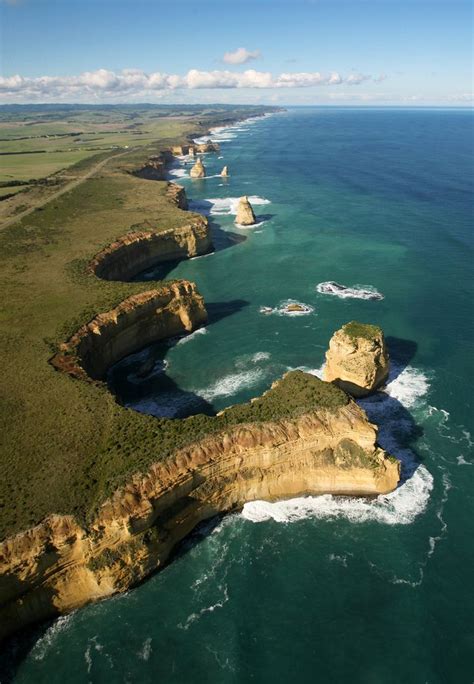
<point x="137" y="251"/>
<point x="327" y="446"/>
<point x="136" y="322"/>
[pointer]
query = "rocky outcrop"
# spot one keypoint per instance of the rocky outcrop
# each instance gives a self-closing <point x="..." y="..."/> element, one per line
<point x="225" y="172"/>
<point x="208" y="146"/>
<point x="182" y="150"/>
<point x="245" y="215"/>
<point x="135" y="323"/>
<point x="198" y="170"/>
<point x="137" y="251"/>
<point x="59" y="565"/>
<point x="155" y="167"/>
<point x="357" y="359"/>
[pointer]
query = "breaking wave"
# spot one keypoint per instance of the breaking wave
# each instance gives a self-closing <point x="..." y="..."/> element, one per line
<point x="231" y="384"/>
<point x="406" y="386"/>
<point x="345" y="292"/>
<point x="289" y="307"/>
<point x="225" y="206"/>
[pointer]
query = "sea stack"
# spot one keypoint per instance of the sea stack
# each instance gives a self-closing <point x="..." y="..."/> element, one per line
<point x="225" y="172"/>
<point x="357" y="360"/>
<point x="198" y="170"/>
<point x="245" y="215"/>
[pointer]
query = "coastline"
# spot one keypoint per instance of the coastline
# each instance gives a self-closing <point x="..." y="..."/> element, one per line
<point x="28" y="596"/>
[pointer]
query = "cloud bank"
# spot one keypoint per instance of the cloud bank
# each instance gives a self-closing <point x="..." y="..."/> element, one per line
<point x="240" y="56"/>
<point x="133" y="83"/>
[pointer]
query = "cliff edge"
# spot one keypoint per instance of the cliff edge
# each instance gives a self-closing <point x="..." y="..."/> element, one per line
<point x="331" y="447"/>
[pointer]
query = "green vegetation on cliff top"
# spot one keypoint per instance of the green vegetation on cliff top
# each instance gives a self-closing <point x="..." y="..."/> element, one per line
<point x="65" y="445"/>
<point x="355" y="329"/>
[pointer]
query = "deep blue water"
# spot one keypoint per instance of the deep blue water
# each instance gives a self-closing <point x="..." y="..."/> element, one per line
<point x="317" y="589"/>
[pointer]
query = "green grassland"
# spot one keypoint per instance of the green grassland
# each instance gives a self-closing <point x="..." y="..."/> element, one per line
<point x="35" y="144"/>
<point x="65" y="444"/>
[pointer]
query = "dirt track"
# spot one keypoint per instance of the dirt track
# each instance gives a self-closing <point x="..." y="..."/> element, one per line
<point x="66" y="188"/>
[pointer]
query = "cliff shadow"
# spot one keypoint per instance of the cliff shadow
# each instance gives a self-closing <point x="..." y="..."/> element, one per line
<point x="401" y="353"/>
<point x="398" y="429"/>
<point x="140" y="381"/>
<point x="216" y="311"/>
<point x="221" y="239"/>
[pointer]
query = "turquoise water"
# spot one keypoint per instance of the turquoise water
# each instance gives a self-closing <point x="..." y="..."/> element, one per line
<point x="315" y="589"/>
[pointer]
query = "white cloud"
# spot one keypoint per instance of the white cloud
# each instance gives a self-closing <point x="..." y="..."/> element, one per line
<point x="356" y="79"/>
<point x="104" y="84"/>
<point x="240" y="56"/>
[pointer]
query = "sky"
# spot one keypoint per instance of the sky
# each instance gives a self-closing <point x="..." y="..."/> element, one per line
<point x="307" y="52"/>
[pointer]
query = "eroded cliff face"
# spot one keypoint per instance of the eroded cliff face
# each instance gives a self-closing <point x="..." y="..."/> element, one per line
<point x="176" y="194"/>
<point x="137" y="251"/>
<point x="59" y="566"/>
<point x="135" y="323"/>
<point x="155" y="167"/>
<point x="357" y="359"/>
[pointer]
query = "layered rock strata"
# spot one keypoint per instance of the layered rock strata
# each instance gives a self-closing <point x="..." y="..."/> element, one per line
<point x="59" y="565"/>
<point x="357" y="359"/>
<point x="135" y="323"/>
<point x="245" y="215"/>
<point x="137" y="251"/>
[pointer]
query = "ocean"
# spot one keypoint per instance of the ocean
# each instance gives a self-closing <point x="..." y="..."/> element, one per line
<point x="314" y="589"/>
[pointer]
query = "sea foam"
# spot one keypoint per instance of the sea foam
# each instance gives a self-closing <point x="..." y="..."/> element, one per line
<point x="344" y="292"/>
<point x="231" y="384"/>
<point x="223" y="206"/>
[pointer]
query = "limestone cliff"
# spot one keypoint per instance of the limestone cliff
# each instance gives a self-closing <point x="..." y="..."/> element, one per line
<point x="198" y="170"/>
<point x="176" y="194"/>
<point x="155" y="167"/>
<point x="137" y="251"/>
<point x="60" y="565"/>
<point x="208" y="146"/>
<point x="357" y="359"/>
<point x="245" y="215"/>
<point x="135" y="323"/>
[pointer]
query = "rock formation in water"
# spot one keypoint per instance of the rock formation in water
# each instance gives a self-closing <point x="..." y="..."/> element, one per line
<point x="198" y="170"/>
<point x="60" y="565"/>
<point x="245" y="215"/>
<point x="225" y="172"/>
<point x="208" y="146"/>
<point x="357" y="359"/>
